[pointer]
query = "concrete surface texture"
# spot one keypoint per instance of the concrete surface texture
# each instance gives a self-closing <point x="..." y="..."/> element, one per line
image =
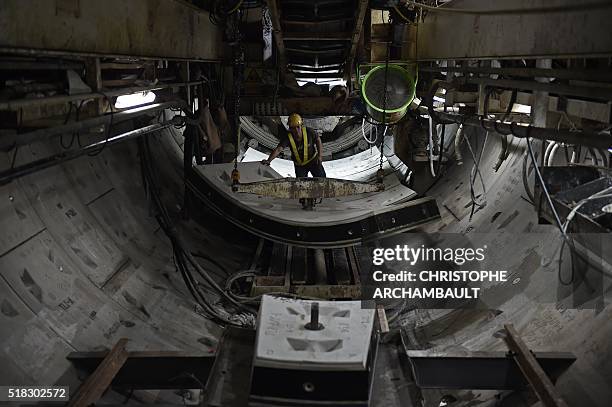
<point x="83" y="263"/>
<point x="283" y="339"/>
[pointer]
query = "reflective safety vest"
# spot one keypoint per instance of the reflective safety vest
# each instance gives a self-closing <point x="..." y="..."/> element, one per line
<point x="304" y="160"/>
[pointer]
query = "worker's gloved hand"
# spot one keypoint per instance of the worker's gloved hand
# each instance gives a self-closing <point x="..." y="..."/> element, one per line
<point x="265" y="162"/>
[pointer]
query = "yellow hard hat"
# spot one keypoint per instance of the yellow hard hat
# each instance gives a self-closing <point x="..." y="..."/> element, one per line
<point x="295" y="120"/>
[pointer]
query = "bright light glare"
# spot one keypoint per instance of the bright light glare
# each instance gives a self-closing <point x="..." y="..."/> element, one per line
<point x="134" y="99"/>
<point x="519" y="108"/>
<point x="331" y="83"/>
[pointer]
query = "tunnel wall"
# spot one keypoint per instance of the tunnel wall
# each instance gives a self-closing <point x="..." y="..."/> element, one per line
<point x="549" y="316"/>
<point x="84" y="263"/>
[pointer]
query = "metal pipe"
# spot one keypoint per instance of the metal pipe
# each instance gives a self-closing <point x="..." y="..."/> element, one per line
<point x="458" y="140"/>
<point x="37" y="52"/>
<point x="15" y="140"/>
<point x="38" y="65"/>
<point x="583" y="74"/>
<point x="26" y="169"/>
<point x="582" y="91"/>
<point x="596" y="140"/>
<point x="20" y="103"/>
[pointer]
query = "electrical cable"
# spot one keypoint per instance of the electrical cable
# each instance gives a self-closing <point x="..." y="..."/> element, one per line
<point x="398" y="11"/>
<point x="566" y="238"/>
<point x="476" y="171"/>
<point x="19" y="125"/>
<point x="108" y="127"/>
<point x="182" y="257"/>
<point x="598" y="195"/>
<point x="431" y="147"/>
<point x="530" y="153"/>
<point x="369" y="140"/>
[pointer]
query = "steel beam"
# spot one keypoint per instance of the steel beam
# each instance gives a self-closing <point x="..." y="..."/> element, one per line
<point x="581" y="91"/>
<point x="583" y="74"/>
<point x="113" y="27"/>
<point x="578" y="32"/>
<point x="152" y="369"/>
<point x="480" y="370"/>
<point x="603" y="141"/>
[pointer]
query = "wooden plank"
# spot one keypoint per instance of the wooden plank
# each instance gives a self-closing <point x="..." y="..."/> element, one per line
<point x="382" y="319"/>
<point x="532" y="370"/>
<point x="94" y="387"/>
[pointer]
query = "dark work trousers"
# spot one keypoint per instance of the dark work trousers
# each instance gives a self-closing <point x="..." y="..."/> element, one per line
<point x="314" y="167"/>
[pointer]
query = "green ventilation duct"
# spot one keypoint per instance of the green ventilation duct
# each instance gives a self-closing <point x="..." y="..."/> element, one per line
<point x="401" y="88"/>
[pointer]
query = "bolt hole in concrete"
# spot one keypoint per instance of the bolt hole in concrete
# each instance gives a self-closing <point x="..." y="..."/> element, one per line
<point x="308" y="387"/>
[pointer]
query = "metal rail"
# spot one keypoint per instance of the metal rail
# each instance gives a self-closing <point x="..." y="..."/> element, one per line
<point x="38" y="165"/>
<point x="582" y="74"/>
<point x="10" y="141"/>
<point x="602" y="141"/>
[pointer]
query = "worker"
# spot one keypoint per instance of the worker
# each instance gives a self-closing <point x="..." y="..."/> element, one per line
<point x="306" y="149"/>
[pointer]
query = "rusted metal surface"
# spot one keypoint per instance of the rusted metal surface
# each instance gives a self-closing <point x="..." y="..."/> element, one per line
<point x="297" y="188"/>
<point x="114" y="27"/>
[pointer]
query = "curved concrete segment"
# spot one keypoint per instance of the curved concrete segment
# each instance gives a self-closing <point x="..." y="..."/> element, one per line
<point x="83" y="263"/>
<point x="335" y="222"/>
